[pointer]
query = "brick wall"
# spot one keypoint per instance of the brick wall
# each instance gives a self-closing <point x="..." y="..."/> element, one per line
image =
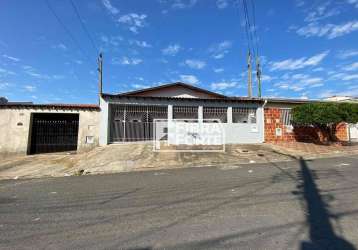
<point x="306" y="134"/>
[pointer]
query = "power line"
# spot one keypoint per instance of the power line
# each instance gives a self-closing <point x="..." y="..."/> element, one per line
<point x="66" y="29"/>
<point x="252" y="43"/>
<point x="255" y="28"/>
<point x="84" y="26"/>
<point x="247" y="28"/>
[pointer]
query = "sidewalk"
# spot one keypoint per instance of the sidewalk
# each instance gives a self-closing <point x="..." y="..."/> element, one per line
<point x="311" y="150"/>
<point x="132" y="157"/>
<point x="140" y="157"/>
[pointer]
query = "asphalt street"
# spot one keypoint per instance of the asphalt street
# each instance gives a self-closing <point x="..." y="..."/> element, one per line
<point x="300" y="204"/>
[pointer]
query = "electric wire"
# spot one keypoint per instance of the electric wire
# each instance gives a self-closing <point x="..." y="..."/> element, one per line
<point x="255" y="27"/>
<point x="84" y="27"/>
<point x="68" y="32"/>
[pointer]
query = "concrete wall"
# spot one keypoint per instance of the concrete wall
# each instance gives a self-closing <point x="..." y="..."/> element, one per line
<point x="15" y="127"/>
<point x="235" y="132"/>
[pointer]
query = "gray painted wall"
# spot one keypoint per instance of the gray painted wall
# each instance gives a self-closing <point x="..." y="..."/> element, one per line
<point x="235" y="132"/>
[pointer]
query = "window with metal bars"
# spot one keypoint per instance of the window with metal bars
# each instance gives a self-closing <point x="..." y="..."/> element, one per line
<point x="286" y="117"/>
<point x="215" y="113"/>
<point x="185" y="112"/>
<point x="138" y="113"/>
<point x="244" y="115"/>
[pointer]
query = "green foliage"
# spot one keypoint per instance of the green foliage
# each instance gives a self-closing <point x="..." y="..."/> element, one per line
<point x="325" y="114"/>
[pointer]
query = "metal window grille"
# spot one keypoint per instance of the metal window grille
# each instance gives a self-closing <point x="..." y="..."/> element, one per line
<point x="185" y="112"/>
<point x="134" y="122"/>
<point x="286" y="117"/>
<point x="218" y="113"/>
<point x="243" y="115"/>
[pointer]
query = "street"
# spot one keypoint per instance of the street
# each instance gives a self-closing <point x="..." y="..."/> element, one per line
<point x="301" y="204"/>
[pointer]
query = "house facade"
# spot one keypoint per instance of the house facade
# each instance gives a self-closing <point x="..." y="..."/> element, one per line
<point x="129" y="116"/>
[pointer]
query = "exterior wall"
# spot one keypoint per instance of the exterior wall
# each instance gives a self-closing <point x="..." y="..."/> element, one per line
<point x="353" y="132"/>
<point x="307" y="134"/>
<point x="15" y="127"/>
<point x="235" y="132"/>
<point x="103" y="125"/>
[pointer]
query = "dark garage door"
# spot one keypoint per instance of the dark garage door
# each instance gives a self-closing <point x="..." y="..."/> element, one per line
<point x="53" y="132"/>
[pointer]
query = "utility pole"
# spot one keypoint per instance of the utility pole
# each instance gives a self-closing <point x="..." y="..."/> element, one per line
<point x="258" y="75"/>
<point x="100" y="74"/>
<point x="249" y="78"/>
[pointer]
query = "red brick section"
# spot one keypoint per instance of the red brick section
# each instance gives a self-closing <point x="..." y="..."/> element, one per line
<point x="303" y="134"/>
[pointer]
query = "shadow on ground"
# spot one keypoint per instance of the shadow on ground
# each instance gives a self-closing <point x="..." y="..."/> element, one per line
<point x="321" y="232"/>
<point x="321" y="236"/>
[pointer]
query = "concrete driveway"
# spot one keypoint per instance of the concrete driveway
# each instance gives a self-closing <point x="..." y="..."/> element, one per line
<point x="132" y="157"/>
<point x="290" y="205"/>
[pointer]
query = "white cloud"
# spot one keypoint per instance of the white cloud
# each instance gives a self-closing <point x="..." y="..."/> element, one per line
<point x="314" y="80"/>
<point x="60" y="46"/>
<point x="329" y="93"/>
<point x="223" y="85"/>
<point x="30" y="88"/>
<point x="316" y="85"/>
<point x="318" y="69"/>
<point x="222" y="4"/>
<point x="218" y="70"/>
<point x="140" y="86"/>
<point x="322" y="12"/>
<point x="79" y="62"/>
<point x="219" y="51"/>
<point x="329" y="31"/>
<point x="293" y="64"/>
<point x="195" y="64"/>
<point x="354" y="2"/>
<point x="171" y="50"/>
<point x="350" y="77"/>
<point x="127" y="61"/>
<point x="304" y="96"/>
<point x="299" y="76"/>
<point x="134" y="21"/>
<point x="189" y="79"/>
<point x="267" y="78"/>
<point x="142" y="44"/>
<point x="300" y="82"/>
<point x="282" y="85"/>
<point x="112" y="40"/>
<point x="344" y="54"/>
<point x="4" y="85"/>
<point x="300" y="3"/>
<point x="6" y="72"/>
<point x="182" y="4"/>
<point x="352" y="67"/>
<point x="113" y="10"/>
<point x="14" y="59"/>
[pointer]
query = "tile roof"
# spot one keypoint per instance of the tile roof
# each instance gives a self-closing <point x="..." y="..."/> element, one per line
<point x="50" y="106"/>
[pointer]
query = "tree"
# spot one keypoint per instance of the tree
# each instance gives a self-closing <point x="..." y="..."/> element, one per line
<point x="3" y="100"/>
<point x="325" y="115"/>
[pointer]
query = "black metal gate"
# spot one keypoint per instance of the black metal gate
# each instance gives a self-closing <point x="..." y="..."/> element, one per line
<point x="134" y="122"/>
<point x="53" y="132"/>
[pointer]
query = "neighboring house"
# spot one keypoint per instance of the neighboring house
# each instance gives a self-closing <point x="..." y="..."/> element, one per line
<point x="353" y="128"/>
<point x="28" y="128"/>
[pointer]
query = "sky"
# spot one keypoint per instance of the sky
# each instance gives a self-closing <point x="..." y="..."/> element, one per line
<point x="49" y="48"/>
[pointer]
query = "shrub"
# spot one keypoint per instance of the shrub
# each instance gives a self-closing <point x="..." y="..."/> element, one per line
<point x="325" y="115"/>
